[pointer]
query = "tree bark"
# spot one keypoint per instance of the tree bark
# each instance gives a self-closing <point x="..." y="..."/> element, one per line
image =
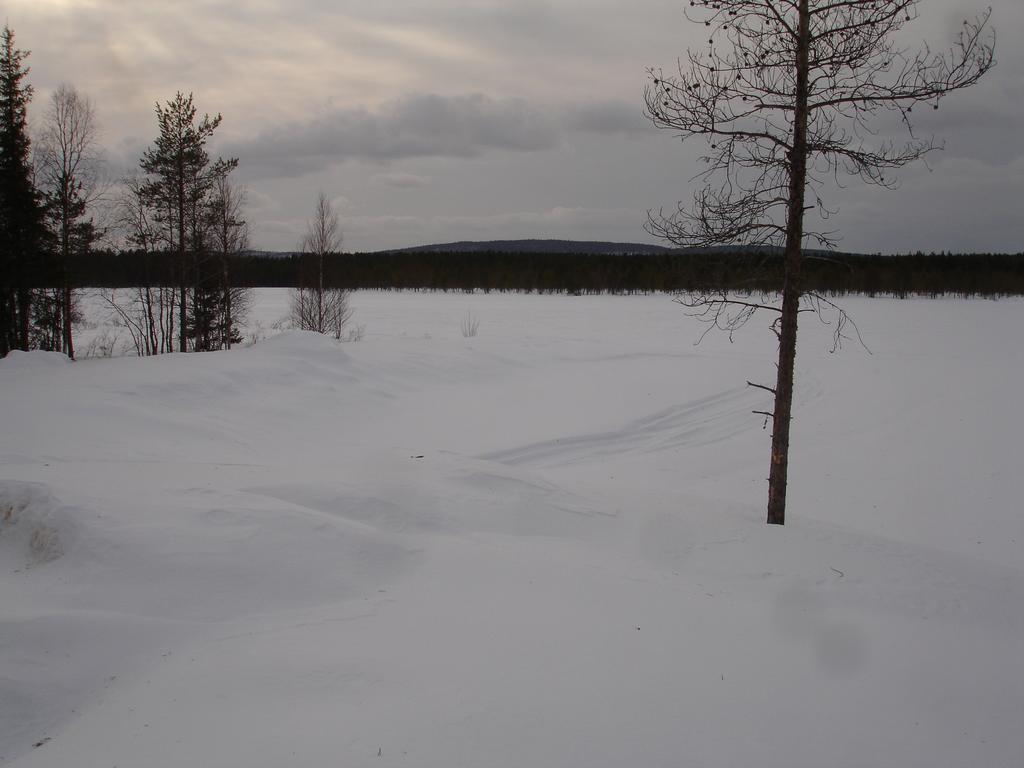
<point x="69" y="342"/>
<point x="66" y="302"/>
<point x="791" y="288"/>
<point x="182" y="261"/>
<point x="320" y="295"/>
<point x="24" y="318"/>
<point x="226" y="342"/>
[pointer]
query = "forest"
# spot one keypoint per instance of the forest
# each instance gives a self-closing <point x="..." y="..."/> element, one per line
<point x="965" y="275"/>
<point x="175" y="229"/>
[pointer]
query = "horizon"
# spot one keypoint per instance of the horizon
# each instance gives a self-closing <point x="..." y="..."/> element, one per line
<point x="724" y="247"/>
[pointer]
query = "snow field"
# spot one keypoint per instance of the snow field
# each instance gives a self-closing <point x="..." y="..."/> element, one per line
<point x="542" y="545"/>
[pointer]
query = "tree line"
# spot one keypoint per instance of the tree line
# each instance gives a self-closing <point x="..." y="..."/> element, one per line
<point x="836" y="274"/>
<point x="786" y="96"/>
<point x="183" y="241"/>
<point x="56" y="207"/>
<point x="178" y="219"/>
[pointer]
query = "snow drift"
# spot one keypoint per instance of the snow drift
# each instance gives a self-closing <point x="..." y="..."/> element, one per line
<point x="542" y="545"/>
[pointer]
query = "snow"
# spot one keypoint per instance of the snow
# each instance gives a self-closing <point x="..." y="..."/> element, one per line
<point x="539" y="546"/>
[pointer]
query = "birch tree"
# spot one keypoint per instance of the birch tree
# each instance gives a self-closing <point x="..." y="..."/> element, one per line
<point x="229" y="237"/>
<point x="316" y="304"/>
<point x="69" y="173"/>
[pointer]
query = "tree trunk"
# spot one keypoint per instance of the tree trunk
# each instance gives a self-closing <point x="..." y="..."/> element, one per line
<point x="182" y="317"/>
<point x="791" y="288"/>
<point x="6" y="317"/>
<point x="24" y="318"/>
<point x="182" y="261"/>
<point x="320" y="296"/>
<point x="68" y="341"/>
<point x="69" y="346"/>
<point x="226" y="343"/>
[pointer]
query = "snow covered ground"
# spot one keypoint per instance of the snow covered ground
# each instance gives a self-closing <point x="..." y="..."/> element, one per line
<point x="539" y="546"/>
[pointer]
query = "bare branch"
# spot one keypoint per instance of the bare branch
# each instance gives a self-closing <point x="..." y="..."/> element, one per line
<point x="831" y="314"/>
<point x="784" y="95"/>
<point x="316" y="305"/>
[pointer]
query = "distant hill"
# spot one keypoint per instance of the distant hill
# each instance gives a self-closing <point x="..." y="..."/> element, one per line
<point x="588" y="247"/>
<point x="537" y="246"/>
<point x="579" y="247"/>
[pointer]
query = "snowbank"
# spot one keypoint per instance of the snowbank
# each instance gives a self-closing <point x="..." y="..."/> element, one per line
<point x="542" y="545"/>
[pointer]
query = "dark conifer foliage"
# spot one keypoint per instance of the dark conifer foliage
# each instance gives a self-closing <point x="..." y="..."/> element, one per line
<point x="834" y="274"/>
<point x="22" y="230"/>
<point x="180" y="180"/>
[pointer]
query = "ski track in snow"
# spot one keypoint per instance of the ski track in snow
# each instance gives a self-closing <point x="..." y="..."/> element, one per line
<point x="697" y="423"/>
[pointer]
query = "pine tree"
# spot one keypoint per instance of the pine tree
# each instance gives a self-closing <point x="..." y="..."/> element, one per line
<point x="22" y="232"/>
<point x="787" y="95"/>
<point x="180" y="179"/>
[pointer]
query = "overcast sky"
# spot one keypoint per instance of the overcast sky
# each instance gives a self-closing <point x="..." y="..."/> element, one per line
<point x="440" y="120"/>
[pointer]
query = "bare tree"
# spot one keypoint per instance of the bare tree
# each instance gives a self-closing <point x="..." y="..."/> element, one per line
<point x="229" y="234"/>
<point x="148" y="310"/>
<point x="68" y="169"/>
<point x="786" y="95"/>
<point x="317" y="305"/>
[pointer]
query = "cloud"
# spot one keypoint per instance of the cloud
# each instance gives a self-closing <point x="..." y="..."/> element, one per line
<point x="963" y="205"/>
<point x="316" y="93"/>
<point x="412" y="127"/>
<point x="607" y="117"/>
<point x="426" y="125"/>
<point x="400" y="180"/>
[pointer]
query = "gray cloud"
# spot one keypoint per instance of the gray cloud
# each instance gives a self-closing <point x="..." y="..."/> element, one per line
<point x="962" y="205"/>
<point x="983" y="123"/>
<point x="415" y="126"/>
<point x="400" y="180"/>
<point x="559" y="131"/>
<point x="427" y="125"/>
<point x="607" y="117"/>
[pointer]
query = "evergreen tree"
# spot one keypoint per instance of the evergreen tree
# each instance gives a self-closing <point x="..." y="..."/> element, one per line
<point x="22" y="232"/>
<point x="180" y="179"/>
